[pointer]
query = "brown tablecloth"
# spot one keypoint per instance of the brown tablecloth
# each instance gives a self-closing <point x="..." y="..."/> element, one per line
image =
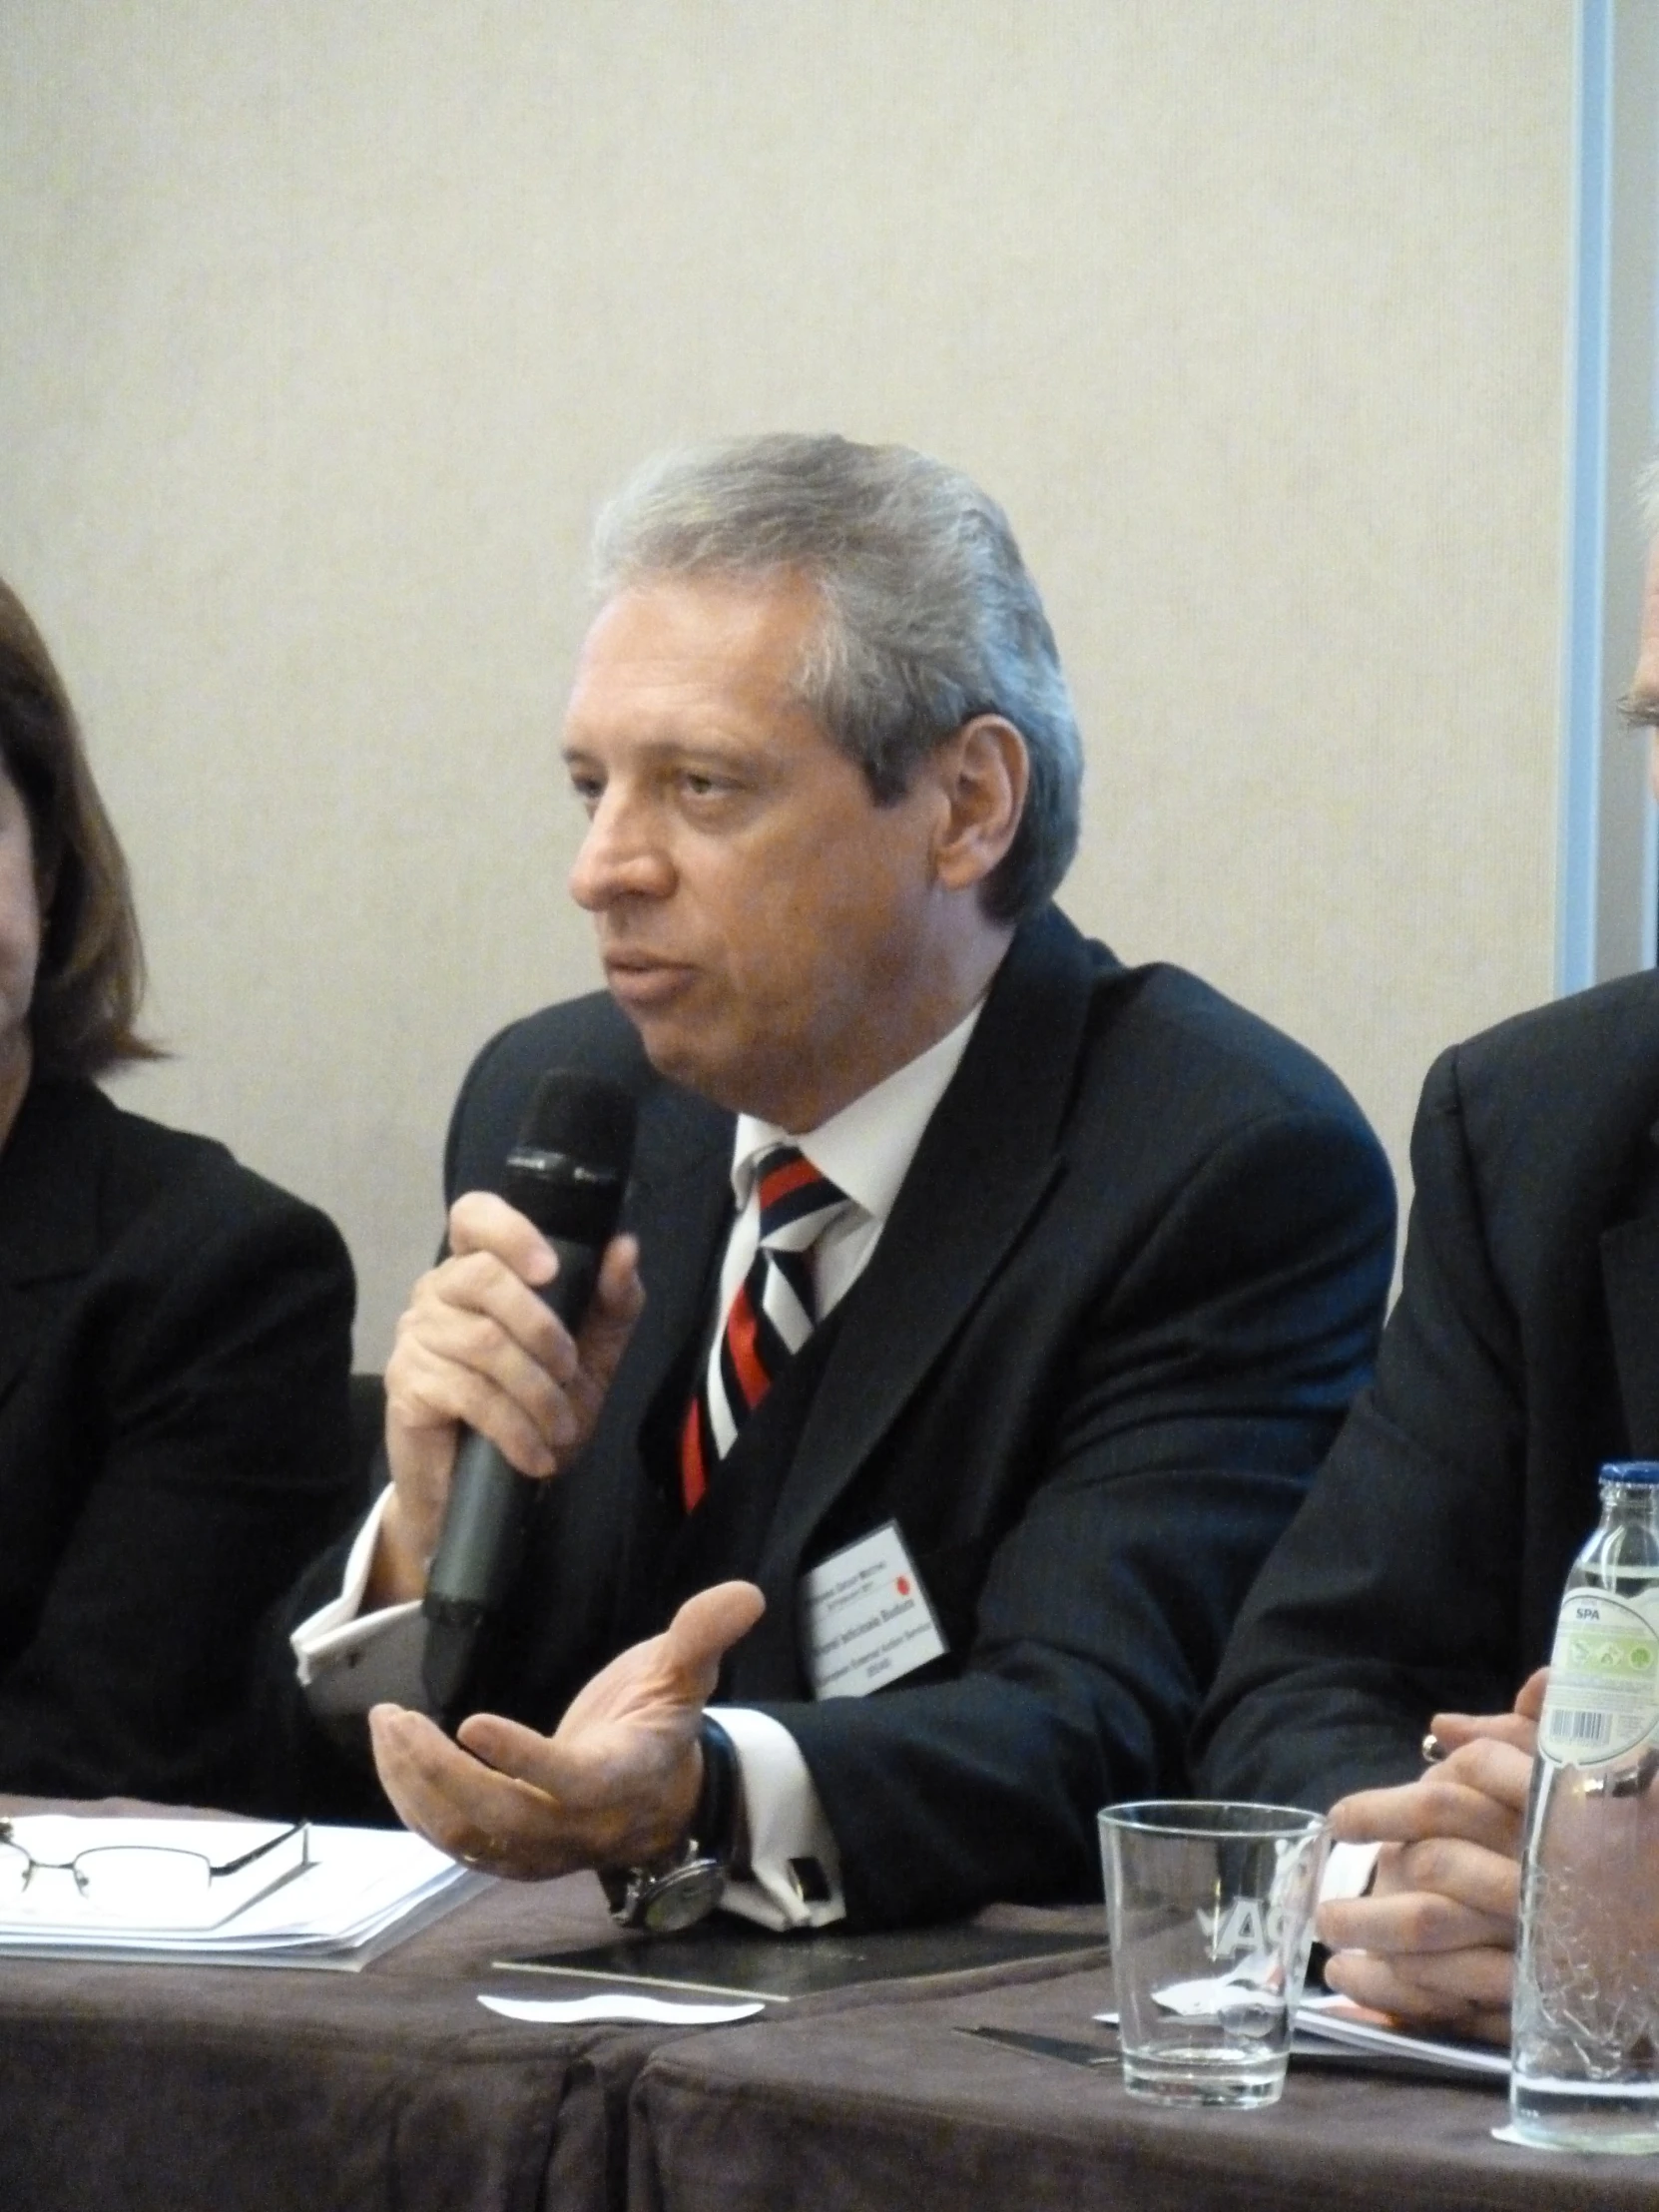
<point x="130" y="2089"/>
<point x="163" y="2088"/>
<point x="146" y="2086"/>
<point x="887" y="2107"/>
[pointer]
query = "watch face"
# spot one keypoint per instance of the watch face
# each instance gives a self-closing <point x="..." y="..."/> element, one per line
<point x="678" y="1900"/>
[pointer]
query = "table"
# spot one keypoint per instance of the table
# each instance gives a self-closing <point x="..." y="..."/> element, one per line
<point x="885" y="2107"/>
<point x="134" y="2088"/>
<point x="146" y="2086"/>
<point x="163" y="2088"/>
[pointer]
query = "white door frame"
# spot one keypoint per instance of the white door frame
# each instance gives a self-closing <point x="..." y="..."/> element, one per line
<point x="1607" y="885"/>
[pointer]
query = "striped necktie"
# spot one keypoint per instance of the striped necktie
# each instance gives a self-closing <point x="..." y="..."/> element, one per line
<point x="770" y="1318"/>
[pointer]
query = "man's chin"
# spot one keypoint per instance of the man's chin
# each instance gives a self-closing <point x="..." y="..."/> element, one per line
<point x="683" y="1051"/>
<point x="669" y="1042"/>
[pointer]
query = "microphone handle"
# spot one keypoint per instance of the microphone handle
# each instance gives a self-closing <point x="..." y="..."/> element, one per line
<point x="482" y="1541"/>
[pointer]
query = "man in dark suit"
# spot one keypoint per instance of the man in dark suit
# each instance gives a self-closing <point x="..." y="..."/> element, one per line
<point x="1094" y="1259"/>
<point x="1419" y="1584"/>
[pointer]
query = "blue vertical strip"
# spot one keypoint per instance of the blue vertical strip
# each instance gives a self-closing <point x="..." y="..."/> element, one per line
<point x="1581" y="704"/>
<point x="1650" y="812"/>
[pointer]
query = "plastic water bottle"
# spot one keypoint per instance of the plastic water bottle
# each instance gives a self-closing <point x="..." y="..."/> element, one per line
<point x="1585" y="2071"/>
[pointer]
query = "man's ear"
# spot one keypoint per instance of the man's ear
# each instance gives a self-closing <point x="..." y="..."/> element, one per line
<point x="984" y="773"/>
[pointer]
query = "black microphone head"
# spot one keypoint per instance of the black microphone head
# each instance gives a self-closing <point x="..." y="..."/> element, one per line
<point x="586" y="1117"/>
<point x="569" y="1168"/>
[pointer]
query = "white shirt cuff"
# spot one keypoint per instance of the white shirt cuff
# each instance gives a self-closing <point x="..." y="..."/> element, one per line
<point x="1348" y="1872"/>
<point x="794" y="1877"/>
<point x="350" y="1660"/>
<point x="311" y="1638"/>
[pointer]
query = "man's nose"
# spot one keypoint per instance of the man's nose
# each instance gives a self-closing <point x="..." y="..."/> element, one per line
<point x="620" y="858"/>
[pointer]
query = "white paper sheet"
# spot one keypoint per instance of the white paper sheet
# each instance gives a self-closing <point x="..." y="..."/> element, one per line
<point x="618" y="2005"/>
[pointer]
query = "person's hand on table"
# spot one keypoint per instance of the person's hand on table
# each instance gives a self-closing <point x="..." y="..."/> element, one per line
<point x="477" y="1345"/>
<point x="1433" y="1944"/>
<point x="616" y="1782"/>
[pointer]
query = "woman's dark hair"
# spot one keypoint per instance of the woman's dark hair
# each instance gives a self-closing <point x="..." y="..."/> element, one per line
<point x="90" y="973"/>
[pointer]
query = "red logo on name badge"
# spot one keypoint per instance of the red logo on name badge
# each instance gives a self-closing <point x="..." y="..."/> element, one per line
<point x="901" y="1584"/>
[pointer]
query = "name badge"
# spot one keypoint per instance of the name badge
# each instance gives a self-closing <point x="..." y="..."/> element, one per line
<point x="867" y="1617"/>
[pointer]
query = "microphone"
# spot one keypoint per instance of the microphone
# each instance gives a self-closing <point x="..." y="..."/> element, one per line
<point x="567" y="1173"/>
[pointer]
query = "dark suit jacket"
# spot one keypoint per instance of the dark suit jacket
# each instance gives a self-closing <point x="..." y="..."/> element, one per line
<point x="1425" y="1570"/>
<point x="1131" y="1280"/>
<point x="175" y="1338"/>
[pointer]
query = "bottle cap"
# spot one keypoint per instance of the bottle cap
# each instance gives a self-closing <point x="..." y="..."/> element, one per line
<point x="1630" y="1470"/>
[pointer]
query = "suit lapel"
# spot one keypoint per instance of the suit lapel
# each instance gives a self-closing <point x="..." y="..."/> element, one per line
<point x="1630" y="1277"/>
<point x="20" y="1320"/>
<point x="679" y="1202"/>
<point x="987" y="1159"/>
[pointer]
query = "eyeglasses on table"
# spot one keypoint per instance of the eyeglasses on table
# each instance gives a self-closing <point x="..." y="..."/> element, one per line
<point x="151" y="1875"/>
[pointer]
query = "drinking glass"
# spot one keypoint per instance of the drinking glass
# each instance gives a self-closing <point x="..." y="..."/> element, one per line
<point x="1211" y="1909"/>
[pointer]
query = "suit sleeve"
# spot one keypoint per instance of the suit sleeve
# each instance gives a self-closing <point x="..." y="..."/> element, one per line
<point x="1200" y="1390"/>
<point x="214" y="1361"/>
<point x="1393" y="1592"/>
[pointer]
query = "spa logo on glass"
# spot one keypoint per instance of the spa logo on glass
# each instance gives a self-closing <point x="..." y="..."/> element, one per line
<point x="1244" y="1926"/>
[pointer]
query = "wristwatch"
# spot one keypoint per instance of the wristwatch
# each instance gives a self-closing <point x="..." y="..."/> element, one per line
<point x="666" y="1895"/>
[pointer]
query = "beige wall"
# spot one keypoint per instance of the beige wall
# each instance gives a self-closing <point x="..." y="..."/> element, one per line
<point x="321" y="328"/>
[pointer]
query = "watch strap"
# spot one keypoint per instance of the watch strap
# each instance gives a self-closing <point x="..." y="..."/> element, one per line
<point x="685" y="1885"/>
<point x="714" y="1823"/>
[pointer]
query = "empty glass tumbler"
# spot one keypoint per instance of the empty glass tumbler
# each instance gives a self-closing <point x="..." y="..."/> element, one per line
<point x="1211" y="1909"/>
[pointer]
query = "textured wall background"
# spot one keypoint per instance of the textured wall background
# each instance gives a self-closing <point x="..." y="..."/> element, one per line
<point x="322" y="329"/>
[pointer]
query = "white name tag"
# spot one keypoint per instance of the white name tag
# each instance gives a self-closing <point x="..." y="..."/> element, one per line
<point x="867" y="1617"/>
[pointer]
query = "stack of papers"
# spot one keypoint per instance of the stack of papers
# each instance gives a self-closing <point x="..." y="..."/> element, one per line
<point x="1338" y="2020"/>
<point x="322" y="1897"/>
<point x="1324" y="2018"/>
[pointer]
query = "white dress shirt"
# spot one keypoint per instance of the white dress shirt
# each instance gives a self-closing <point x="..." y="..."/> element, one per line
<point x="348" y="1660"/>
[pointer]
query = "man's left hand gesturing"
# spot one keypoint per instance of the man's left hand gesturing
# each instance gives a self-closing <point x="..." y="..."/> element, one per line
<point x="616" y="1782"/>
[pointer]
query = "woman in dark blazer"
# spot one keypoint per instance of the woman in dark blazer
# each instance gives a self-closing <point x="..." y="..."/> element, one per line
<point x="174" y="1335"/>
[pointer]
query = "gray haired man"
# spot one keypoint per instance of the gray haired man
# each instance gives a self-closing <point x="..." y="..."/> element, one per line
<point x="948" y="1495"/>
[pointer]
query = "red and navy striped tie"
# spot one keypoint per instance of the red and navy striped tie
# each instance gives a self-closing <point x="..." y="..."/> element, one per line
<point x="770" y="1318"/>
